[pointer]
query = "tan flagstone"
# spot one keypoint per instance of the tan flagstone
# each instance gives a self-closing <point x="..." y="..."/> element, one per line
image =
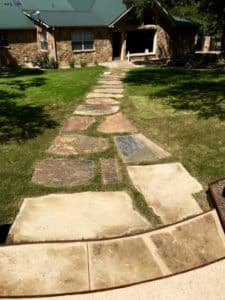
<point x="116" y="124"/>
<point x="168" y="189"/>
<point x="78" y="144"/>
<point x="103" y="95"/>
<point x="79" y="216"/>
<point x="102" y="101"/>
<point x="96" y="109"/>
<point x="77" y="123"/>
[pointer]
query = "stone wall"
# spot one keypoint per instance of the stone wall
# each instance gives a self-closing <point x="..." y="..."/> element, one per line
<point x="102" y="46"/>
<point x="22" y="47"/>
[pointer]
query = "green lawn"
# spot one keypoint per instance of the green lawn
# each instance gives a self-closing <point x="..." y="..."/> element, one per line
<point x="184" y="111"/>
<point x="33" y="104"/>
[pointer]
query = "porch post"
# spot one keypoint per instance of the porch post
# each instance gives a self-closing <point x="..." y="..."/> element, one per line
<point x="123" y="45"/>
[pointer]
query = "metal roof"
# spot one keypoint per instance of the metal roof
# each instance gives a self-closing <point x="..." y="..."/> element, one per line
<point x="12" y="18"/>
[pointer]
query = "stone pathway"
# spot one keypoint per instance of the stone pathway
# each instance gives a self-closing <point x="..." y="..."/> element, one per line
<point x="95" y="240"/>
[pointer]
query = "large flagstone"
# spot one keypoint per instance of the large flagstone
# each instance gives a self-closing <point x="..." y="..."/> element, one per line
<point x="168" y="189"/>
<point x="63" y="172"/>
<point x="116" y="124"/>
<point x="96" y="109"/>
<point x="77" y="123"/>
<point x="137" y="148"/>
<point x="102" y="101"/>
<point x="88" y="215"/>
<point x="103" y="95"/>
<point x="78" y="144"/>
<point x="108" y="90"/>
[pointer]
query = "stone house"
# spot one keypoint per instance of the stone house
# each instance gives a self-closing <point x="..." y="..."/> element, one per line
<point x="90" y="30"/>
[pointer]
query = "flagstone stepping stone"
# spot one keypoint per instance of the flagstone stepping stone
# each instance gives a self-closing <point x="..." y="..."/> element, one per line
<point x="102" y="101"/>
<point x="110" y="171"/>
<point x="96" y="109"/>
<point x="123" y="262"/>
<point x="137" y="148"/>
<point x="191" y="244"/>
<point x="108" y="91"/>
<point x="77" y="124"/>
<point x="103" y="95"/>
<point x="78" y="144"/>
<point x="109" y="82"/>
<point x="168" y="189"/>
<point x="116" y="124"/>
<point x="63" y="173"/>
<point x="89" y="215"/>
<point x="43" y="269"/>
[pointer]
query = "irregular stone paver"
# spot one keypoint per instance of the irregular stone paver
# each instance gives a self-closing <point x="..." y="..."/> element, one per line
<point x="43" y="269"/>
<point x="108" y="91"/>
<point x="123" y="262"/>
<point x="217" y="193"/>
<point x="116" y="124"/>
<point x="102" y="101"/>
<point x="137" y="148"/>
<point x="103" y="95"/>
<point x="89" y="215"/>
<point x="96" y="109"/>
<point x="193" y="243"/>
<point x="168" y="189"/>
<point x="77" y="123"/>
<point x="110" y="171"/>
<point x="63" y="173"/>
<point x="78" y="144"/>
<point x="109" y="82"/>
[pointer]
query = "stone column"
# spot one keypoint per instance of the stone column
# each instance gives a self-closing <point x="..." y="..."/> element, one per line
<point x="123" y="45"/>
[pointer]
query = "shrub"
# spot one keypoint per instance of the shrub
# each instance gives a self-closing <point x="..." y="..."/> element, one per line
<point x="42" y="61"/>
<point x="83" y="63"/>
<point x="72" y="63"/>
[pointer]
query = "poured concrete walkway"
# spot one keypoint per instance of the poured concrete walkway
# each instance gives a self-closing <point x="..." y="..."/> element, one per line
<point x="73" y="267"/>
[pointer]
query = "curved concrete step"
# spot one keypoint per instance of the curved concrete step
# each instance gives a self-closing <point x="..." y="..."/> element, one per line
<point x="63" y="268"/>
<point x="204" y="283"/>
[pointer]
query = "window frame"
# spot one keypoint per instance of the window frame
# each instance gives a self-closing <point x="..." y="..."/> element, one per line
<point x="82" y="41"/>
<point x="43" y="41"/>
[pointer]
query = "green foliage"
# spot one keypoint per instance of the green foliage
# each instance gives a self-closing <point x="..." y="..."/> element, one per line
<point x="42" y="61"/>
<point x="83" y="63"/>
<point x="72" y="63"/>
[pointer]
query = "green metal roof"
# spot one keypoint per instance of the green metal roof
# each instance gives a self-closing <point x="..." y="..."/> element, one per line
<point x="12" y="18"/>
<point x="75" y="12"/>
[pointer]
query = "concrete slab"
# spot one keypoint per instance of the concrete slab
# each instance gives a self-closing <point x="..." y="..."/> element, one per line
<point x="102" y="101"/>
<point x="78" y="144"/>
<point x="43" y="269"/>
<point x="116" y="263"/>
<point x="168" y="189"/>
<point x="89" y="215"/>
<point x="116" y="124"/>
<point x="103" y="95"/>
<point x="63" y="172"/>
<point x="96" y="109"/>
<point x="77" y="123"/>
<point x="137" y="148"/>
<point x="205" y="283"/>
<point x="110" y="171"/>
<point x="191" y="244"/>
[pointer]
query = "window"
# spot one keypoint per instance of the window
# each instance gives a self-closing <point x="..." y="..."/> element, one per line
<point x="43" y="41"/>
<point x="3" y="40"/>
<point x="82" y="41"/>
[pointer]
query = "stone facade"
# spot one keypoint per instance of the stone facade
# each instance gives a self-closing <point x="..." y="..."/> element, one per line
<point x="22" y="47"/>
<point x="102" y="46"/>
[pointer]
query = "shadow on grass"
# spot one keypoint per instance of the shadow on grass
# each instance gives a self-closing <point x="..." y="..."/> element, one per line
<point x="22" y="122"/>
<point x="201" y="92"/>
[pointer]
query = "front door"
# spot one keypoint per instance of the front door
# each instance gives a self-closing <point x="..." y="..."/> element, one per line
<point x="116" y="45"/>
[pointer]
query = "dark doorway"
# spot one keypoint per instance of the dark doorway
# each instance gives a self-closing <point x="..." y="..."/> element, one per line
<point x="116" y="44"/>
<point x="140" y="40"/>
